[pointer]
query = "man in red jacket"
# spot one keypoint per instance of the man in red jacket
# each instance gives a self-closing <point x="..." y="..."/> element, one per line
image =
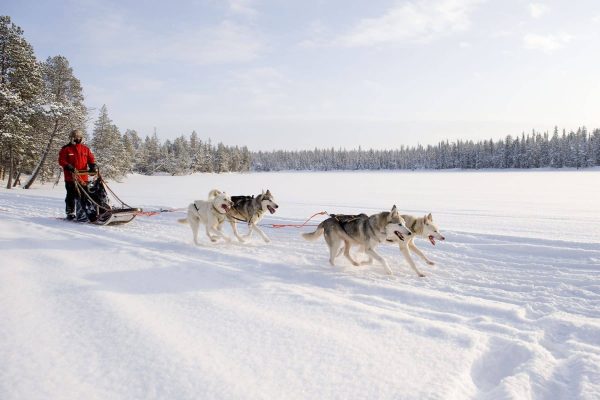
<point x="75" y="156"/>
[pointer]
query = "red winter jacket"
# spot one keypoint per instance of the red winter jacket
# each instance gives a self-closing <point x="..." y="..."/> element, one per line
<point x="79" y="156"/>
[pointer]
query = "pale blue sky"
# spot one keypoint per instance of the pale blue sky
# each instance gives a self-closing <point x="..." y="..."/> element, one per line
<point x="313" y="73"/>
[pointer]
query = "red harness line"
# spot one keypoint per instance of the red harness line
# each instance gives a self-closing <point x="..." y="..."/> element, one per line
<point x="297" y="225"/>
<point x="153" y="213"/>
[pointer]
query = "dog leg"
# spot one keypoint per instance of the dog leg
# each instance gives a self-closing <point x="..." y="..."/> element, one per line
<point x="334" y="247"/>
<point x="347" y="254"/>
<point x="220" y="231"/>
<point x="194" y="224"/>
<point x="212" y="239"/>
<point x="382" y="260"/>
<point x="250" y="229"/>
<point x="235" y="231"/>
<point x="418" y="251"/>
<point x="262" y="234"/>
<point x="217" y="231"/>
<point x="409" y="260"/>
<point x="369" y="260"/>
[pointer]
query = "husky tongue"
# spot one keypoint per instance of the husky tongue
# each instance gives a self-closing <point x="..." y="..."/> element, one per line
<point x="271" y="209"/>
<point x="432" y="239"/>
<point x="224" y="207"/>
<point x="399" y="235"/>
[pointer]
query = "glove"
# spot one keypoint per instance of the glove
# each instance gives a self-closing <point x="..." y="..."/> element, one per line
<point x="70" y="168"/>
<point x="92" y="168"/>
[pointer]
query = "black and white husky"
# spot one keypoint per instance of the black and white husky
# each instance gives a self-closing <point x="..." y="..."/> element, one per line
<point x="211" y="213"/>
<point x="251" y="209"/>
<point x="367" y="232"/>
<point x="420" y="227"/>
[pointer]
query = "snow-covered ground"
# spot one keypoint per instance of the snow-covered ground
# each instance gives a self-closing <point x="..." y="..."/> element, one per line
<point x="511" y="310"/>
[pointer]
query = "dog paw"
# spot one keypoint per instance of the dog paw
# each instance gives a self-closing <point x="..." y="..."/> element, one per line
<point x="430" y="262"/>
<point x="267" y="240"/>
<point x="421" y="275"/>
<point x="213" y="240"/>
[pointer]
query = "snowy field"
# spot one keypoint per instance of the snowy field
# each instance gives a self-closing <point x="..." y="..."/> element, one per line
<point x="511" y="310"/>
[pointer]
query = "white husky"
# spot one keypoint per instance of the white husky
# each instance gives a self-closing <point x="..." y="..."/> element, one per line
<point x="420" y="227"/>
<point x="210" y="213"/>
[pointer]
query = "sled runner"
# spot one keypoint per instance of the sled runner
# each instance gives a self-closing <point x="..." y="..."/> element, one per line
<point x="98" y="204"/>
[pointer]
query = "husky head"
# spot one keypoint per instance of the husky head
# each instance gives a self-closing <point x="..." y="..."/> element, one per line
<point x="220" y="201"/>
<point x="267" y="202"/>
<point x="395" y="227"/>
<point x="431" y="230"/>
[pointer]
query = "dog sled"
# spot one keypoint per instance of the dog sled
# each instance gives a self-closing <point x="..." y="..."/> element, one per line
<point x="98" y="204"/>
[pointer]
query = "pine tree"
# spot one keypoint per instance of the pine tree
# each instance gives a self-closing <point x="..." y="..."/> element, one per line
<point x="183" y="157"/>
<point x="20" y="87"/>
<point x="221" y="159"/>
<point x="107" y="146"/>
<point x="128" y="153"/>
<point x="595" y="139"/>
<point x="153" y="159"/>
<point x="62" y="111"/>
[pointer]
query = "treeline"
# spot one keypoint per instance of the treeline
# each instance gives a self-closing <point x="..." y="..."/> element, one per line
<point x="118" y="154"/>
<point x="42" y="101"/>
<point x="576" y="149"/>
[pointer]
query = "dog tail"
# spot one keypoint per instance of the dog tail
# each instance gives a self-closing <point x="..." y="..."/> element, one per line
<point x="213" y="193"/>
<point x="314" y="235"/>
<point x="183" y="220"/>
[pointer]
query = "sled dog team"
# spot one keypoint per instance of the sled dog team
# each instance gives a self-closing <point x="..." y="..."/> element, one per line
<point x="341" y="231"/>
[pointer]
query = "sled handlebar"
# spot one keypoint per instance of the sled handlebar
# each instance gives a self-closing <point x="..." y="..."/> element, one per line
<point x="85" y="172"/>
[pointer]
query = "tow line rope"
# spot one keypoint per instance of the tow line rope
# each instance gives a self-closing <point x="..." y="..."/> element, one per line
<point x="157" y="212"/>
<point x="276" y="226"/>
<point x="296" y="225"/>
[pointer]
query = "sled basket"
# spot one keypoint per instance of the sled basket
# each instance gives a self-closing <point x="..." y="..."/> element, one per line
<point x="117" y="216"/>
<point x="98" y="203"/>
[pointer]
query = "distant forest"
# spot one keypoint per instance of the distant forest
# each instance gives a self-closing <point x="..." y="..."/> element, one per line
<point x="575" y="149"/>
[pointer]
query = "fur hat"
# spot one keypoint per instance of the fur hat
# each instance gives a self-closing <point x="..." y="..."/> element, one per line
<point x="76" y="133"/>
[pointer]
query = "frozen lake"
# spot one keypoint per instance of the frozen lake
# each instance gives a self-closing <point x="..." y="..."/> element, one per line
<point x="544" y="204"/>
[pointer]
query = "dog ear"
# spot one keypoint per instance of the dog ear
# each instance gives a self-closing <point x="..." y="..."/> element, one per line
<point x="429" y="217"/>
<point x="394" y="209"/>
<point x="263" y="191"/>
<point x="268" y="192"/>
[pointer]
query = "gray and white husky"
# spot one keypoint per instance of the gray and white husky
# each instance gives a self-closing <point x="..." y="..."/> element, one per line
<point x="361" y="230"/>
<point x="420" y="227"/>
<point x="211" y="213"/>
<point x="251" y="209"/>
